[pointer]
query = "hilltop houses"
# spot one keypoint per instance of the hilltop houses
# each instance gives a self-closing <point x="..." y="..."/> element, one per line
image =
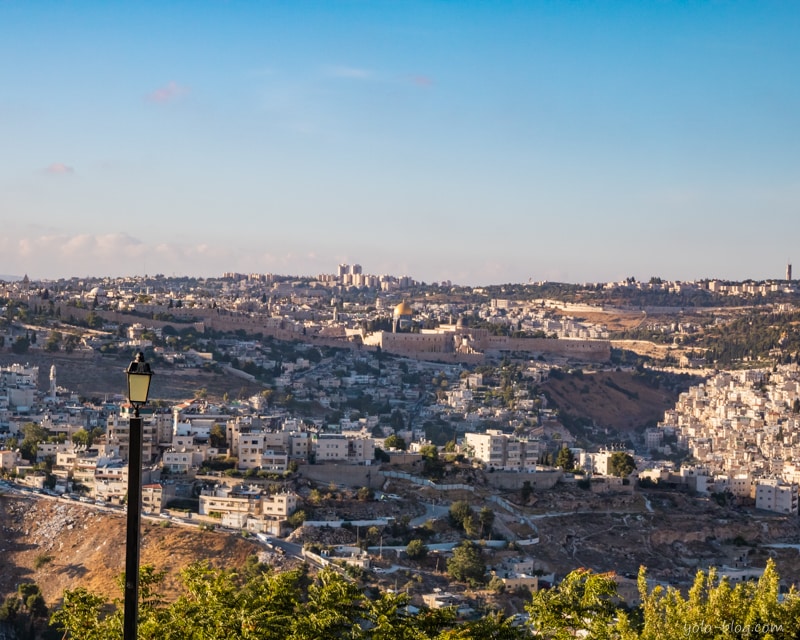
<point x="743" y="430"/>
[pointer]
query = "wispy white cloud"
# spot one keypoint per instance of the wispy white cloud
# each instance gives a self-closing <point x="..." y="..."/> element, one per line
<point x="66" y="247"/>
<point x="52" y="254"/>
<point x="59" y="169"/>
<point x="170" y="92"/>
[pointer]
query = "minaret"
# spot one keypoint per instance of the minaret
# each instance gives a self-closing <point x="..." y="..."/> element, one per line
<point x="53" y="385"/>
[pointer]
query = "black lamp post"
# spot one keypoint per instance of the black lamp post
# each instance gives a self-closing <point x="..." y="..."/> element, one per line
<point x="139" y="374"/>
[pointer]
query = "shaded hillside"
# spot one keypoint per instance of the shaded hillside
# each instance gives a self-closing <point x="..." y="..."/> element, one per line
<point x="618" y="399"/>
<point x="96" y="376"/>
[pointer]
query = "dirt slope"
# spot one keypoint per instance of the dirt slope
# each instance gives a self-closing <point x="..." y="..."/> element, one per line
<point x="86" y="547"/>
<point x="611" y="398"/>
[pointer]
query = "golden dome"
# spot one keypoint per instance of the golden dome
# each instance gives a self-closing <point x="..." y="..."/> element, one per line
<point x="403" y="309"/>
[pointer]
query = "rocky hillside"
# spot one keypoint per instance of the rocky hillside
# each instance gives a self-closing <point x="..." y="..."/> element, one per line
<point x="671" y="533"/>
<point x="60" y="544"/>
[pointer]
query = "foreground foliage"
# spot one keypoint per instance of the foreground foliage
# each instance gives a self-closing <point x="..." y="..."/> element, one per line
<point x="258" y="604"/>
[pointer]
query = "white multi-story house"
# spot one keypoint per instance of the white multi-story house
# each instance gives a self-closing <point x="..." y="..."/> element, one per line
<point x="9" y="459"/>
<point x="247" y="507"/>
<point x="772" y="494"/>
<point x="329" y="447"/>
<point x="503" y="451"/>
<point x="279" y="505"/>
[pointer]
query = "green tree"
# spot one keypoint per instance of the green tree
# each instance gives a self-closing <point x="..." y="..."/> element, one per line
<point x="429" y="452"/>
<point x="218" y="604"/>
<point x="432" y="464"/>
<point x="9" y="609"/>
<point x="715" y="609"/>
<point x="53" y="342"/>
<point x="79" y="616"/>
<point x="581" y="605"/>
<point x="32" y="434"/>
<point x="467" y="564"/>
<point x="565" y="459"/>
<point x="472" y="526"/>
<point x="459" y="511"/>
<point x="486" y="519"/>
<point x="296" y="519"/>
<point x="216" y="436"/>
<point x="526" y="491"/>
<point x="96" y="434"/>
<point x="395" y="442"/>
<point x="621" y="464"/>
<point x="81" y="437"/>
<point x="417" y="550"/>
<point x="332" y="607"/>
<point x="373" y="535"/>
<point x="388" y="618"/>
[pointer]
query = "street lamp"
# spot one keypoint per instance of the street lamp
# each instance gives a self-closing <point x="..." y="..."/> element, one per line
<point x="138" y="374"/>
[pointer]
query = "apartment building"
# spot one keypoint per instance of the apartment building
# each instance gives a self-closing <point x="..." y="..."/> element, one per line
<point x="772" y="494"/>
<point x="330" y="447"/>
<point x="118" y="432"/>
<point x="503" y="451"/>
<point x="156" y="496"/>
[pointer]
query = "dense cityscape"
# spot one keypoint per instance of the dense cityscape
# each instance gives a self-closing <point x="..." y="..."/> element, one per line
<point x="463" y="443"/>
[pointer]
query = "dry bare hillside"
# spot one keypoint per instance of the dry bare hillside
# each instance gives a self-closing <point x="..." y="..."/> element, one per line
<point x="60" y="544"/>
<point x="611" y="398"/>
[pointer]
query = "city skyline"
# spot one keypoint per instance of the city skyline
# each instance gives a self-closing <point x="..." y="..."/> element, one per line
<point x="474" y="143"/>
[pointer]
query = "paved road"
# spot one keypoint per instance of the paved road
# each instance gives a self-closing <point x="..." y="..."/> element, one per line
<point x="431" y="511"/>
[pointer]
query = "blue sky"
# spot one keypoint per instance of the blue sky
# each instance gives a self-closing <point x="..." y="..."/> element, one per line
<point x="478" y="142"/>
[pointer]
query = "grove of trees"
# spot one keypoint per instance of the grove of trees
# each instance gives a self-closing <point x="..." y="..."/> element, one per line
<point x="255" y="603"/>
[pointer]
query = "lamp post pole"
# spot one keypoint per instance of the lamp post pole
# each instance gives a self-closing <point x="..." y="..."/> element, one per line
<point x="134" y="527"/>
<point x="139" y="375"/>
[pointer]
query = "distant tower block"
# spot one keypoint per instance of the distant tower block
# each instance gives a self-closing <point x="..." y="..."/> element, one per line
<point x="789" y="271"/>
<point x="355" y="269"/>
<point x="343" y="269"/>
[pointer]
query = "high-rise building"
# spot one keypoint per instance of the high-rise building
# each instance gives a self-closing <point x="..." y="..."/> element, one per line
<point x="789" y="271"/>
<point x="343" y="268"/>
<point x="355" y="269"/>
